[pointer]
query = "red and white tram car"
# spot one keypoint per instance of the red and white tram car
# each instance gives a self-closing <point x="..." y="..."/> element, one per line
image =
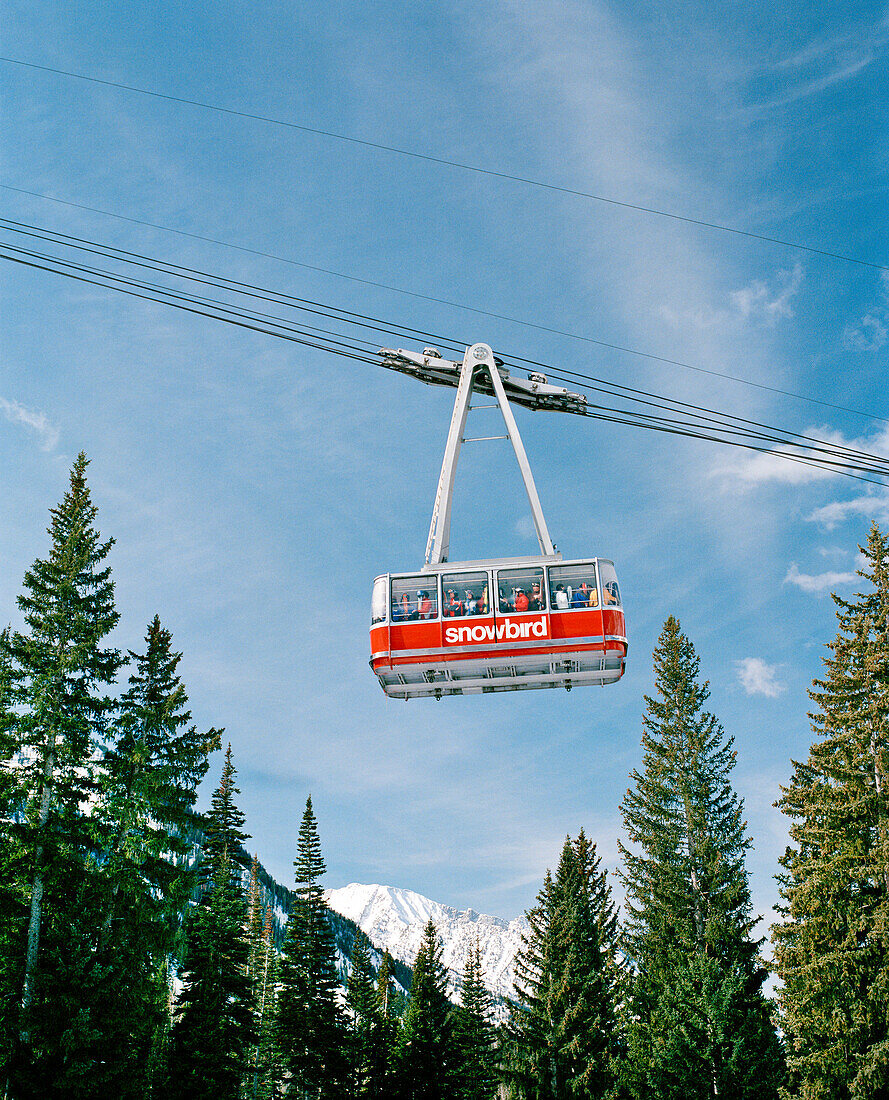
<point x="472" y="627"/>
<point x="464" y="628"/>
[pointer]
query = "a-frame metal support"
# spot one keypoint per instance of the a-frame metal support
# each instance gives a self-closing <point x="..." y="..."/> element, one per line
<point x="479" y="359"/>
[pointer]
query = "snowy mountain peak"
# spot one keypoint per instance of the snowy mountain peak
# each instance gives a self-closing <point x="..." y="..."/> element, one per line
<point x="394" y="919"/>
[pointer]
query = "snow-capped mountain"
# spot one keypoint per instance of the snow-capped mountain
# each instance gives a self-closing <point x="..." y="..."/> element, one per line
<point x="394" y="919"/>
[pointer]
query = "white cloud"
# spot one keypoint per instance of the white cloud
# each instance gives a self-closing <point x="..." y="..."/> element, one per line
<point x="760" y="468"/>
<point x="869" y="335"/>
<point x="758" y="678"/>
<point x="845" y="70"/>
<point x="817" y="582"/>
<point x="524" y="527"/>
<point x="759" y="301"/>
<point x="831" y="515"/>
<point x="763" y="301"/>
<point x="37" y="421"/>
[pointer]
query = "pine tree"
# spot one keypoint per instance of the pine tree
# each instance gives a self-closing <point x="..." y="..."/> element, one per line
<point x="148" y="789"/>
<point x="390" y="1007"/>
<point x="528" y="1050"/>
<point x="311" y="1032"/>
<point x="213" y="1031"/>
<point x="366" y="1056"/>
<point x="264" y="1078"/>
<point x="12" y="871"/>
<point x="562" y="1032"/>
<point x="426" y="1063"/>
<point x="59" y="673"/>
<point x="701" y="1026"/>
<point x="831" y="949"/>
<point x="473" y="1033"/>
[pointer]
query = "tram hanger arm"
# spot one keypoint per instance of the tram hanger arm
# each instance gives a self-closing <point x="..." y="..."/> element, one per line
<point x="533" y="392"/>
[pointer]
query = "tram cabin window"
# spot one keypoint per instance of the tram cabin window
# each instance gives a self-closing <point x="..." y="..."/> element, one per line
<point x="414" y="598"/>
<point x="465" y="594"/>
<point x="378" y="601"/>
<point x="573" y="586"/>
<point x="610" y="590"/>
<point x="521" y="590"/>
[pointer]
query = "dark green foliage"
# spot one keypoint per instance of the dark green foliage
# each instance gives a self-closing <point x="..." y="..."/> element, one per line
<point x="12" y="870"/>
<point x="311" y="1033"/>
<point x="147" y="793"/>
<point x="699" y="1025"/>
<point x="213" y="1032"/>
<point x="264" y="1074"/>
<point x="473" y="1034"/>
<point x="57" y="674"/>
<point x="831" y="948"/>
<point x="391" y="1007"/>
<point x="369" y="1035"/>
<point x="393" y="1003"/>
<point x="561" y="1040"/>
<point x="426" y="1061"/>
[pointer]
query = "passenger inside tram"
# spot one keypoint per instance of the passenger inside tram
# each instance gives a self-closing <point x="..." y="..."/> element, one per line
<point x="521" y="591"/>
<point x="573" y="587"/>
<point x="402" y="609"/>
<point x="412" y="599"/>
<point x="584" y="596"/>
<point x="453" y="607"/>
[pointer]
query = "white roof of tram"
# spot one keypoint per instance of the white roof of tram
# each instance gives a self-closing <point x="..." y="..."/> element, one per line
<point x="496" y="563"/>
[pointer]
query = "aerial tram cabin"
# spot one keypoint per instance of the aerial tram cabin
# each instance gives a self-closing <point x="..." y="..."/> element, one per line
<point x="511" y="624"/>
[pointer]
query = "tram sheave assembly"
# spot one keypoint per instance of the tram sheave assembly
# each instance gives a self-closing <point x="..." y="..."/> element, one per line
<point x="510" y="624"/>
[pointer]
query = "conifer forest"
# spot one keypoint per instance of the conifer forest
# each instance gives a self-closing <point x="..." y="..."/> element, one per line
<point x="143" y="956"/>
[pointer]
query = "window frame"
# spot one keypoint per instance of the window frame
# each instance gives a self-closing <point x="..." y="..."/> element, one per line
<point x="544" y="609"/>
<point x="429" y="581"/>
<point x="451" y="584"/>
<point x="593" y="567"/>
<point x="381" y="583"/>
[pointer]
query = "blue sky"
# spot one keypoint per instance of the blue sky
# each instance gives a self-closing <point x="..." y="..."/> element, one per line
<point x="255" y="488"/>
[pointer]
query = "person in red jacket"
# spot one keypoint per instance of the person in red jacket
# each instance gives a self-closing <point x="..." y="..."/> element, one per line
<point x="453" y="607"/>
<point x="521" y="600"/>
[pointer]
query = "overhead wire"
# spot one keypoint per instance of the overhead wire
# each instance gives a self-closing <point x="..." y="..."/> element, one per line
<point x="697" y="409"/>
<point x="447" y="162"/>
<point x="376" y="324"/>
<point x="650" y="356"/>
<point x="698" y="422"/>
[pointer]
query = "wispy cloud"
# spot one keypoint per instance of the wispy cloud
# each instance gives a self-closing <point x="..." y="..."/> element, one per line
<point x="38" y="422"/>
<point x="869" y="334"/>
<point x="817" y="583"/>
<point x="832" y="515"/>
<point x="758" y="678"/>
<point x="821" y="64"/>
<point x="843" y="71"/>
<point x="775" y="467"/>
<point x="759" y="300"/>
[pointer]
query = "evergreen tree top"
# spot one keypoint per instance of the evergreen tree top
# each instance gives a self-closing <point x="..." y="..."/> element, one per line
<point x="59" y="669"/>
<point x="687" y="882"/>
<point x="223" y="836"/>
<point x="309" y="863"/>
<point x="69" y="583"/>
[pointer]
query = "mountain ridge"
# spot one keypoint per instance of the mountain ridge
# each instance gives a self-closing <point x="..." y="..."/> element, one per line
<point x="393" y="918"/>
